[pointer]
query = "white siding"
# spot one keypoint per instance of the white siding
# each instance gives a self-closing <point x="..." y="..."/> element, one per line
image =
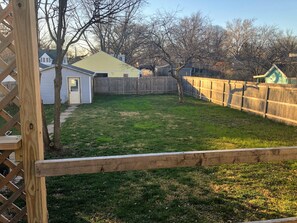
<point x="47" y="85"/>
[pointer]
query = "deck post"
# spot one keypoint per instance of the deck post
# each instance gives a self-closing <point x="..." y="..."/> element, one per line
<point x="30" y="107"/>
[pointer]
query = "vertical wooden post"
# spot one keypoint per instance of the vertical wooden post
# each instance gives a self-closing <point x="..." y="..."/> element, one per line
<point x="200" y="85"/>
<point x="266" y="101"/>
<point x="193" y="87"/>
<point x="210" y="91"/>
<point x="229" y="100"/>
<point x="137" y="86"/>
<point x="30" y="110"/>
<point x="242" y="96"/>
<point x="223" y="96"/>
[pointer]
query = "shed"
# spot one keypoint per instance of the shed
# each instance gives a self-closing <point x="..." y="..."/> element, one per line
<point x="77" y="85"/>
<point x="280" y="74"/>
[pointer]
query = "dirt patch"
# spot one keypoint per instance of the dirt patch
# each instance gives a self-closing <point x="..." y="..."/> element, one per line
<point x="129" y="114"/>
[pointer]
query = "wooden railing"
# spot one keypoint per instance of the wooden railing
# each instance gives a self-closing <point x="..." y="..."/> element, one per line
<point x="273" y="101"/>
<point x="57" y="167"/>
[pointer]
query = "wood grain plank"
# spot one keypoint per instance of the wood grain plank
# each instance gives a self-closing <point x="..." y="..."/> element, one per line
<point x="30" y="110"/>
<point x="162" y="160"/>
<point x="281" y="220"/>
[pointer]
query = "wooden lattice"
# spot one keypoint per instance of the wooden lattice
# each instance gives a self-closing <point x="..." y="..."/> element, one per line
<point x="12" y="189"/>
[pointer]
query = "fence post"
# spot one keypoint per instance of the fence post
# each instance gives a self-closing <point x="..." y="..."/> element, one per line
<point x="242" y="96"/>
<point x="165" y="88"/>
<point x="25" y="37"/>
<point x="266" y="101"/>
<point x="137" y="86"/>
<point x="193" y="84"/>
<point x="200" y="85"/>
<point x="210" y="91"/>
<point x="223" y="96"/>
<point x="229" y="100"/>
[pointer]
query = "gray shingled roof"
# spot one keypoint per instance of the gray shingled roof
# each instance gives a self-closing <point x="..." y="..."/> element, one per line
<point x="81" y="70"/>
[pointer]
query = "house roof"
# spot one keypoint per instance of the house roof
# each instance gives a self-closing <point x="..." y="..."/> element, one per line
<point x="146" y="66"/>
<point x="43" y="66"/>
<point x="102" y="61"/>
<point x="288" y="70"/>
<point x="74" y="68"/>
<point x="50" y="52"/>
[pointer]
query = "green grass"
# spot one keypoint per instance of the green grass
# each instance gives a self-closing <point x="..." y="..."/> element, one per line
<point x="49" y="112"/>
<point x="115" y="125"/>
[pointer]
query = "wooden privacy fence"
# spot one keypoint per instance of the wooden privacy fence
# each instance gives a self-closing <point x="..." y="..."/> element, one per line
<point x="133" y="85"/>
<point x="273" y="101"/>
<point x="31" y="165"/>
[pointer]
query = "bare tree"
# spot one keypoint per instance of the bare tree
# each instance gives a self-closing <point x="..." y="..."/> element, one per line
<point x="123" y="35"/>
<point x="179" y="42"/>
<point x="65" y="31"/>
<point x="251" y="49"/>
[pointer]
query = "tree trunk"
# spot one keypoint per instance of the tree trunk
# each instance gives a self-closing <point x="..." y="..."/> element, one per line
<point x="180" y="89"/>
<point x="46" y="138"/>
<point x="57" y="123"/>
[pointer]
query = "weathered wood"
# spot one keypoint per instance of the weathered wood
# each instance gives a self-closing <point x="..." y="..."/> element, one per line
<point x="10" y="124"/>
<point x="162" y="160"/>
<point x="10" y="142"/>
<point x="242" y="96"/>
<point x="274" y="101"/>
<point x="266" y="101"/>
<point x="9" y="97"/>
<point x="134" y="85"/>
<point x="8" y="70"/>
<point x="30" y="110"/>
<point x="282" y="220"/>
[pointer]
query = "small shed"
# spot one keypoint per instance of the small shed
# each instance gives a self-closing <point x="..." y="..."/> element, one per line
<point x="77" y="85"/>
<point x="279" y="74"/>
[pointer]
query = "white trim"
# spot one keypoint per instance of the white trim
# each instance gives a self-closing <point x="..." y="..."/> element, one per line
<point x="69" y="68"/>
<point x="90" y="89"/>
<point x="80" y="89"/>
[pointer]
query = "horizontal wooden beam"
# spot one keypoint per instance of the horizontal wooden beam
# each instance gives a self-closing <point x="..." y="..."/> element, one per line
<point x="58" y="167"/>
<point x="282" y="220"/>
<point x="10" y="142"/>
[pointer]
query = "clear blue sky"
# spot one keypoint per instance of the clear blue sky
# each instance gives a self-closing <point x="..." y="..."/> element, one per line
<point x="281" y="13"/>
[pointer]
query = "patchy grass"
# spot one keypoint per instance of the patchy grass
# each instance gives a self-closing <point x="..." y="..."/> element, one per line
<point x="133" y="124"/>
<point x="49" y="112"/>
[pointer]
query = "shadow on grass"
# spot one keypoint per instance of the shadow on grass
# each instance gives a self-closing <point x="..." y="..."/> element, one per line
<point x="171" y="195"/>
<point x="115" y="125"/>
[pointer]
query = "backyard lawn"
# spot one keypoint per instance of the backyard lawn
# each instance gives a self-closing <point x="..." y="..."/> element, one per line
<point x="115" y="125"/>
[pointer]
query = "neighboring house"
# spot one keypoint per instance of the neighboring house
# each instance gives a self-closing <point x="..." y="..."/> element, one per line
<point x="77" y="85"/>
<point x="165" y="71"/>
<point x="146" y="70"/>
<point x="105" y="65"/>
<point x="121" y="57"/>
<point x="279" y="74"/>
<point x="48" y="58"/>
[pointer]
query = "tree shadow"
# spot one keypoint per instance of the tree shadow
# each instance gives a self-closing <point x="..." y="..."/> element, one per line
<point x="169" y="195"/>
